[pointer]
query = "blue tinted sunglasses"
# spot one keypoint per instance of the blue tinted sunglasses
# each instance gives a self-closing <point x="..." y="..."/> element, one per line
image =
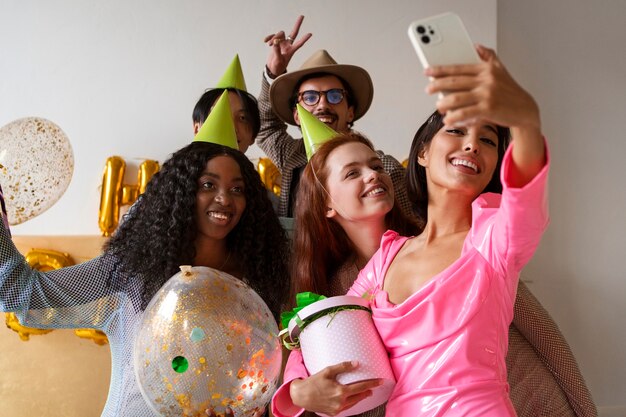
<point x="312" y="97"/>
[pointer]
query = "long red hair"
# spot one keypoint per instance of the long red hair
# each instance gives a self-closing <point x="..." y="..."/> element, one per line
<point x="321" y="245"/>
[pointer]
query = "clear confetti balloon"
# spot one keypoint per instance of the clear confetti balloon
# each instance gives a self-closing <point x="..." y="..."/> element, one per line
<point x="207" y="340"/>
<point x="36" y="166"/>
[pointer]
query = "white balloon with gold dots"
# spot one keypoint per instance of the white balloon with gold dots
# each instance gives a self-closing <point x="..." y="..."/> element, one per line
<point x="36" y="166"/>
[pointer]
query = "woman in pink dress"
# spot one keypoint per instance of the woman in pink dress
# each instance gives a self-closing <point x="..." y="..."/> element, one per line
<point x="443" y="301"/>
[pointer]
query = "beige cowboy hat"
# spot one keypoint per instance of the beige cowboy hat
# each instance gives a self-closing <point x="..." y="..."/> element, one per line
<point x="357" y="78"/>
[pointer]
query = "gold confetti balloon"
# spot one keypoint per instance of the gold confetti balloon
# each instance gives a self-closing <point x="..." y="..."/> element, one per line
<point x="207" y="340"/>
<point x="36" y="166"/>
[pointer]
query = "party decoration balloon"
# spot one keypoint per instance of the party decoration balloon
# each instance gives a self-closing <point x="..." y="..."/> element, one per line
<point x="48" y="260"/>
<point x="146" y="170"/>
<point x="270" y="175"/>
<point x="97" y="336"/>
<point x="24" y="332"/>
<point x="206" y="340"/>
<point x="36" y="166"/>
<point x="111" y="195"/>
<point x="115" y="194"/>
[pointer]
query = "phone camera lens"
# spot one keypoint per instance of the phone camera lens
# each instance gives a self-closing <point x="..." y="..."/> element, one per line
<point x="425" y="39"/>
<point x="421" y="30"/>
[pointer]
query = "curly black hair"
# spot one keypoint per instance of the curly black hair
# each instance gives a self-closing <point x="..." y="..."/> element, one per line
<point x="158" y="234"/>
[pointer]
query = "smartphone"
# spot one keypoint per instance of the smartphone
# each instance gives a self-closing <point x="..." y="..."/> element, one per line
<point x="442" y="40"/>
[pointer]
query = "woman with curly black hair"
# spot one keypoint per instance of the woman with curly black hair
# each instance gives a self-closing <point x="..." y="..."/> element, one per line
<point x="205" y="207"/>
<point x="255" y="249"/>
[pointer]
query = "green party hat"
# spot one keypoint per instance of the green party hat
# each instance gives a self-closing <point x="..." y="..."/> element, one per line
<point x="218" y="126"/>
<point x="233" y="77"/>
<point x="314" y="132"/>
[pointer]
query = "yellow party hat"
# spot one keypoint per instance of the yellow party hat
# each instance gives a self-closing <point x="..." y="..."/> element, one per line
<point x="314" y="132"/>
<point x="218" y="126"/>
<point x="233" y="77"/>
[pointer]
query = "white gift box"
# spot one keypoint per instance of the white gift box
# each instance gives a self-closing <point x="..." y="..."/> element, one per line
<point x="348" y="334"/>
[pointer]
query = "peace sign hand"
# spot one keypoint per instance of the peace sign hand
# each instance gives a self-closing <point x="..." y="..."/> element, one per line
<point x="282" y="48"/>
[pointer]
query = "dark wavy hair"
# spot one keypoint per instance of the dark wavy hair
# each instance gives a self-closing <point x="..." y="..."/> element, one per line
<point x="205" y="102"/>
<point x="158" y="234"/>
<point x="321" y="245"/>
<point x="416" y="186"/>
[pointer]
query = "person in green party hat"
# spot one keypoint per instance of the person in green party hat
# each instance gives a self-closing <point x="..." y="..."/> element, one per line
<point x="243" y="105"/>
<point x="206" y="206"/>
<point x="346" y="200"/>
<point x="337" y="94"/>
<point x="218" y="126"/>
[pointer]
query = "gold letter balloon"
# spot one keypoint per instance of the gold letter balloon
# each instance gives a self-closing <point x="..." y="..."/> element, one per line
<point x="115" y="193"/>
<point x="270" y="175"/>
<point x="36" y="166"/>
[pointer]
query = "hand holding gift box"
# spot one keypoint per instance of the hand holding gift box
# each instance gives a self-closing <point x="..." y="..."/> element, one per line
<point x="337" y="329"/>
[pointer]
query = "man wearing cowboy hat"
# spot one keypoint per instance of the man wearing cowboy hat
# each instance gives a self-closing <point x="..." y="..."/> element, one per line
<point x="337" y="94"/>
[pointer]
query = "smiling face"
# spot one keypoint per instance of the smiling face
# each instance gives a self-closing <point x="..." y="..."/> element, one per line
<point x="461" y="159"/>
<point x="220" y="199"/>
<point x="359" y="188"/>
<point x="337" y="116"/>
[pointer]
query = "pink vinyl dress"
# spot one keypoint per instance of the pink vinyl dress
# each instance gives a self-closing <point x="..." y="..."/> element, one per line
<point x="447" y="342"/>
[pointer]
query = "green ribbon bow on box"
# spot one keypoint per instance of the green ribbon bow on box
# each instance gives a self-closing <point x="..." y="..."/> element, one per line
<point x="303" y="299"/>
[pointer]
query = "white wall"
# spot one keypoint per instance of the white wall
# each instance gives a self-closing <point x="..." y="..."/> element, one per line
<point x="122" y="77"/>
<point x="572" y="56"/>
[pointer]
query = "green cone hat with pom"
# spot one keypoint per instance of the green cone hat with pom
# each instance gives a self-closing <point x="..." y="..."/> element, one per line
<point x="218" y="126"/>
<point x="314" y="132"/>
<point x="233" y="76"/>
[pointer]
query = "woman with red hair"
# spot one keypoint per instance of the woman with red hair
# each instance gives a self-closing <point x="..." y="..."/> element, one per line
<point x="345" y="201"/>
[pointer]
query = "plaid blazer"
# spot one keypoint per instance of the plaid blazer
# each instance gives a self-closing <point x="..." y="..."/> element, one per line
<point x="288" y="154"/>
